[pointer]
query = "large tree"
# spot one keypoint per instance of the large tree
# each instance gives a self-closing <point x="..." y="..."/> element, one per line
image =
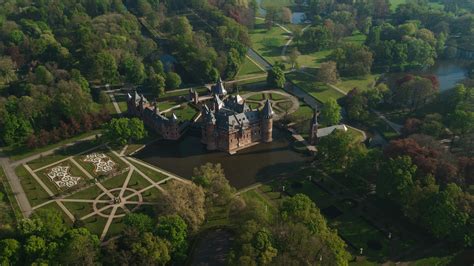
<point x="211" y="177"/>
<point x="331" y="112"/>
<point x="122" y="130"/>
<point x="276" y="77"/>
<point x="186" y="200"/>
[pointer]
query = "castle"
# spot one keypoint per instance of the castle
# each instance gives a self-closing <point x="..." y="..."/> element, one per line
<point x="227" y="122"/>
<point x="231" y="125"/>
<point x="138" y="105"/>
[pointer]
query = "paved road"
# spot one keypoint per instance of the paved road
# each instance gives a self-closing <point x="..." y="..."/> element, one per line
<point x="15" y="185"/>
<point x="258" y="59"/>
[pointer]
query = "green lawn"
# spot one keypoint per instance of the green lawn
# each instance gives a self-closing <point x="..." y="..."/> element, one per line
<point x="277" y="3"/>
<point x="361" y="83"/>
<point x="318" y="90"/>
<point x="167" y="105"/>
<point x="185" y="112"/>
<point x="152" y="174"/>
<point x="359" y="233"/>
<point x="356" y="37"/>
<point x="55" y="206"/>
<point x="249" y="68"/>
<point x="268" y="43"/>
<point x="304" y="186"/>
<point x="89" y="193"/>
<point x="115" y="182"/>
<point x="95" y="224"/>
<point x="79" y="209"/>
<point x="313" y="59"/>
<point x="35" y="193"/>
<point x="9" y="210"/>
<point x="137" y="182"/>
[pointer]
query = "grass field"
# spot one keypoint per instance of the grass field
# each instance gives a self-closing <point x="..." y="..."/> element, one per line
<point x="268" y="43"/>
<point x="318" y="90"/>
<point x="249" y="68"/>
<point x="277" y="3"/>
<point x="9" y="210"/>
<point x="35" y="193"/>
<point x="361" y="83"/>
<point x="185" y="112"/>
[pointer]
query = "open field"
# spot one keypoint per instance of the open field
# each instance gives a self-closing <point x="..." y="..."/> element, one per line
<point x="318" y="90"/>
<point x="361" y="83"/>
<point x="268" y="43"/>
<point x="249" y="68"/>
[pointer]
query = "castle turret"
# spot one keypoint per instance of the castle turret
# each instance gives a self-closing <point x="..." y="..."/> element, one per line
<point x="142" y="103"/>
<point x="209" y="129"/>
<point x="267" y="122"/>
<point x="313" y="128"/>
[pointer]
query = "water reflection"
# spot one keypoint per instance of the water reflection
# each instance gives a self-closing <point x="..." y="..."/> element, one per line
<point x="257" y="163"/>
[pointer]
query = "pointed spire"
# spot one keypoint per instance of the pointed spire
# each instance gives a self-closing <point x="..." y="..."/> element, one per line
<point x="129" y="97"/>
<point x="157" y="109"/>
<point x="315" y="118"/>
<point x="218" y="103"/>
<point x="174" y="118"/>
<point x="267" y="110"/>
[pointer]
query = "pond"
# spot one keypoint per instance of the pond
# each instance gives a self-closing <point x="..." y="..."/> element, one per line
<point x="449" y="73"/>
<point x="297" y="17"/>
<point x="257" y="163"/>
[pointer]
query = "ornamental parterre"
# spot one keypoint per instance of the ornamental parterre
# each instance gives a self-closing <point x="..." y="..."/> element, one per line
<point x="101" y="162"/>
<point x="62" y="178"/>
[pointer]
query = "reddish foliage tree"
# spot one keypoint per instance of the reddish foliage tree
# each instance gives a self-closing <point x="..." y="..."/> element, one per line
<point x="466" y="169"/>
<point x="434" y="80"/>
<point x="412" y="126"/>
<point x="404" y="79"/>
<point x="31" y="142"/>
<point x="43" y="138"/>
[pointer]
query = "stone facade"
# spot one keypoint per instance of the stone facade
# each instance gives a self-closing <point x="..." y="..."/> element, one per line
<point x="230" y="125"/>
<point x="168" y="128"/>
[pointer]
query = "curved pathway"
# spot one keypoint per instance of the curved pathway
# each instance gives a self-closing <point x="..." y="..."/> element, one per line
<point x="289" y="98"/>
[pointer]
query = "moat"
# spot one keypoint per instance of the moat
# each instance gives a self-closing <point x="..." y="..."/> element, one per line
<point x="257" y="163"/>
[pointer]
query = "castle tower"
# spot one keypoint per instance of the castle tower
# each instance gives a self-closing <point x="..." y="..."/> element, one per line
<point x="142" y="104"/>
<point x="267" y="122"/>
<point x="313" y="128"/>
<point x="173" y="127"/>
<point x="209" y="136"/>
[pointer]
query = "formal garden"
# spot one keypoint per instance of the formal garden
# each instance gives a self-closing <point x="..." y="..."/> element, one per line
<point x="95" y="186"/>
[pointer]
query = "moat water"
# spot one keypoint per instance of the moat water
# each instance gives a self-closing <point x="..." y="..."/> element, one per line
<point x="254" y="164"/>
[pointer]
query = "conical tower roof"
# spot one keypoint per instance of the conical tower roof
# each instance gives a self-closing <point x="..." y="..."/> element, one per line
<point x="267" y="110"/>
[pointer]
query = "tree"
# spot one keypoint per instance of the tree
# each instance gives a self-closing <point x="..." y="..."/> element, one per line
<point x="397" y="179"/>
<point x="174" y="229"/>
<point x="7" y="71"/>
<point x="80" y="248"/>
<point x="43" y="76"/>
<point x="317" y="38"/>
<point x="141" y="222"/>
<point x="122" y="130"/>
<point x="35" y="247"/>
<point x="150" y="250"/>
<point x="331" y="112"/>
<point x="156" y="82"/>
<point x="173" y="80"/>
<point x="233" y="63"/>
<point x="353" y="59"/>
<point x="276" y="77"/>
<point x="211" y="177"/>
<point x="327" y="72"/>
<point x="186" y="200"/>
<point x="356" y="104"/>
<point x="334" y="151"/>
<point x="301" y="209"/>
<point x="9" y="251"/>
<point x="53" y="224"/>
<point x="415" y="92"/>
<point x="105" y="67"/>
<point x="286" y="15"/>
<point x="294" y="54"/>
<point x="133" y="69"/>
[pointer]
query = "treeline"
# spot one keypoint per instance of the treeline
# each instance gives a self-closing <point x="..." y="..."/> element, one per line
<point x="427" y="183"/>
<point x="413" y="36"/>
